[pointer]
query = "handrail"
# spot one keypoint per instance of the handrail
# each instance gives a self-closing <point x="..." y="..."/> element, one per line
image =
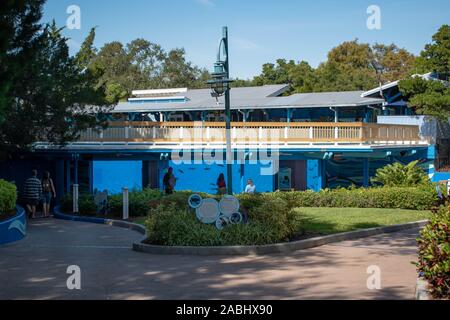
<point x="188" y="124"/>
<point x="255" y="132"/>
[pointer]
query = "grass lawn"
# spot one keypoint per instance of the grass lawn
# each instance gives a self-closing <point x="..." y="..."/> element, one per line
<point x="337" y="220"/>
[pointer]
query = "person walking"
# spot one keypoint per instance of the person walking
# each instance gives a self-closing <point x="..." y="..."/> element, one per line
<point x="221" y="185"/>
<point x="250" y="188"/>
<point x="48" y="190"/>
<point x="32" y="193"/>
<point x="169" y="182"/>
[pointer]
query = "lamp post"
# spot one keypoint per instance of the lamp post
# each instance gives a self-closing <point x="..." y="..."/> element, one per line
<point x="379" y="70"/>
<point x="220" y="85"/>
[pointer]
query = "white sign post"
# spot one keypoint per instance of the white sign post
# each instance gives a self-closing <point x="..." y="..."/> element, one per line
<point x="75" y="198"/>
<point x="448" y="188"/>
<point x="126" y="214"/>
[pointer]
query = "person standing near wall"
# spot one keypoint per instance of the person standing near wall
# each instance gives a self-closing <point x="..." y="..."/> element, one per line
<point x="221" y="185"/>
<point x="32" y="193"/>
<point x="169" y="182"/>
<point x="48" y="189"/>
<point x="250" y="188"/>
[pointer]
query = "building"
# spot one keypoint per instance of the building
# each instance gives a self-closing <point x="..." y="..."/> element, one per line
<point x="298" y="141"/>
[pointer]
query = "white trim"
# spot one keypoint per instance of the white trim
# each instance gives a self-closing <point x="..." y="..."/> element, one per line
<point x="158" y="98"/>
<point x="159" y="91"/>
<point x="426" y="76"/>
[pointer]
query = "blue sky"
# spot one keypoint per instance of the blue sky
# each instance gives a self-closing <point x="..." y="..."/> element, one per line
<point x="260" y="30"/>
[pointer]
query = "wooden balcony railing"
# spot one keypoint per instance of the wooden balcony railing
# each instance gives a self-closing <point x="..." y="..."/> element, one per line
<point x="251" y="132"/>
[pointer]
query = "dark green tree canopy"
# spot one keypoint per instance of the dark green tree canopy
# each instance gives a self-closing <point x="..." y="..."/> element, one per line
<point x="431" y="97"/>
<point x="142" y="64"/>
<point x="49" y="96"/>
<point x="350" y="66"/>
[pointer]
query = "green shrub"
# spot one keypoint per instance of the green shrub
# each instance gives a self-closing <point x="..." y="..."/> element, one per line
<point x="139" y="202"/>
<point x="8" y="196"/>
<point x="170" y="226"/>
<point x="269" y="222"/>
<point x="398" y="175"/>
<point x="434" y="253"/>
<point x="415" y="198"/>
<point x="86" y="204"/>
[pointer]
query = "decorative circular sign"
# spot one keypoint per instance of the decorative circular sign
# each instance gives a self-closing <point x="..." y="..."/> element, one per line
<point x="208" y="212"/>
<point x="229" y="205"/>
<point x="222" y="222"/>
<point x="236" y="218"/>
<point x="195" y="201"/>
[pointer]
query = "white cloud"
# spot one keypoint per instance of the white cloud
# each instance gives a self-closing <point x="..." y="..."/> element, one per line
<point x="243" y="44"/>
<point x="206" y="3"/>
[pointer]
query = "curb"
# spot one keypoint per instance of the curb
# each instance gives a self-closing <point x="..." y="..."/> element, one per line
<point x="274" y="248"/>
<point x="110" y="222"/>
<point x="422" y="291"/>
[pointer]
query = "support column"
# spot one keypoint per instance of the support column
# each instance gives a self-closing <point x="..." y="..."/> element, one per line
<point x="366" y="167"/>
<point x="59" y="180"/>
<point x="245" y="115"/>
<point x="204" y="115"/>
<point x="167" y="116"/>
<point x="242" y="175"/>
<point x="289" y="114"/>
<point x="368" y="114"/>
<point x="68" y="177"/>
<point x="75" y="172"/>
<point x="91" y="176"/>
<point x="315" y="178"/>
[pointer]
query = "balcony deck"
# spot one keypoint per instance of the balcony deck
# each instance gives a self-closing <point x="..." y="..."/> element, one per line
<point x="251" y="135"/>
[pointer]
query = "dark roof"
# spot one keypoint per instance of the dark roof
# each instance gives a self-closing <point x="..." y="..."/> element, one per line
<point x="264" y="97"/>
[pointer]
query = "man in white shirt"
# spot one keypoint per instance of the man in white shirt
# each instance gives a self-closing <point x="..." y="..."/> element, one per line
<point x="250" y="188"/>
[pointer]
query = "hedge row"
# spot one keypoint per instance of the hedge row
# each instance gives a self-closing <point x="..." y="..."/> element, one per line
<point x="8" y="197"/>
<point x="416" y="198"/>
<point x="140" y="202"/>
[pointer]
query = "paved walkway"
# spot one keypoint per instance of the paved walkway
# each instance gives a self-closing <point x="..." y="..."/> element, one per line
<point x="35" y="268"/>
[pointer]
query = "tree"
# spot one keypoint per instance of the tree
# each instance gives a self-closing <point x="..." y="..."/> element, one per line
<point x="119" y="75"/>
<point x="395" y="62"/>
<point x="177" y="72"/>
<point x="54" y="96"/>
<point x="20" y="39"/>
<point x="350" y="66"/>
<point x="431" y="97"/>
<point x="144" y="65"/>
<point x="300" y="76"/>
<point x="87" y="52"/>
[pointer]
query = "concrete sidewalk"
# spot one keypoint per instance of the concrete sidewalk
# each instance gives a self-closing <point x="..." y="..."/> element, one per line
<point x="35" y="268"/>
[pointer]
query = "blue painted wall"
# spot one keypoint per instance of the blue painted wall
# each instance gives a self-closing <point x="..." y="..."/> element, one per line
<point x="315" y="176"/>
<point x="14" y="229"/>
<point x="115" y="175"/>
<point x="203" y="177"/>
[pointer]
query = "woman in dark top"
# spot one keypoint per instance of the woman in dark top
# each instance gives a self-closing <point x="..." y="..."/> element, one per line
<point x="48" y="192"/>
<point x="221" y="185"/>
